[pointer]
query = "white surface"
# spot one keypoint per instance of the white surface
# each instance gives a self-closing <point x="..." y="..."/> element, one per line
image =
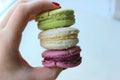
<point x="99" y="40"/>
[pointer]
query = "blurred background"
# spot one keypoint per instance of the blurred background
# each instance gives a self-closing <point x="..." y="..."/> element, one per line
<point x="99" y="39"/>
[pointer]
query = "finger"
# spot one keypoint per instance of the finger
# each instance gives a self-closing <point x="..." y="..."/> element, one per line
<point x="45" y="73"/>
<point x="23" y="11"/>
<point x="6" y="18"/>
<point x="9" y="13"/>
<point x="55" y="71"/>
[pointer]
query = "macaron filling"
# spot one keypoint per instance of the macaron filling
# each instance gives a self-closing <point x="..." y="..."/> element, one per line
<point x="69" y="59"/>
<point x="73" y="36"/>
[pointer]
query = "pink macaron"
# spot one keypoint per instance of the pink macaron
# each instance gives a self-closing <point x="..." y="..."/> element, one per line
<point x="62" y="58"/>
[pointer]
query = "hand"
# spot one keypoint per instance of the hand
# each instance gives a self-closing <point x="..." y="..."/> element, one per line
<point x="12" y="65"/>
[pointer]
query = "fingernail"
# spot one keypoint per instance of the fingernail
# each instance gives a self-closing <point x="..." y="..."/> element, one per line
<point x="57" y="4"/>
<point x="31" y="17"/>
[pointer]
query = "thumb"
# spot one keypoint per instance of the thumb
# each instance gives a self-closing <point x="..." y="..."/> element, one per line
<point x="45" y="73"/>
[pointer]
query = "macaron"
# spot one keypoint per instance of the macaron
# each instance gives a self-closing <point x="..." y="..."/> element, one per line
<point x="59" y="38"/>
<point x="55" y="19"/>
<point x="62" y="58"/>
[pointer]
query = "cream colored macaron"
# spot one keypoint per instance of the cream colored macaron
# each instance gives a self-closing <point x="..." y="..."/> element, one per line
<point x="59" y="38"/>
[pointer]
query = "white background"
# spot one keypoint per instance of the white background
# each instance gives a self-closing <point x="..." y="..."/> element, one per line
<point x="99" y="40"/>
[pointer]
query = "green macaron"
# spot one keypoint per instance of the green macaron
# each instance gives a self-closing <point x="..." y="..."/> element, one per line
<point x="55" y="19"/>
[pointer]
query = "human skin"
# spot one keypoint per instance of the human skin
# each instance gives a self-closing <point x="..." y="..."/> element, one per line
<point x="12" y="65"/>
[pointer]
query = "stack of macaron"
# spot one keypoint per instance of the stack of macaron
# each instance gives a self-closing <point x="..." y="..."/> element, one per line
<point x="58" y="38"/>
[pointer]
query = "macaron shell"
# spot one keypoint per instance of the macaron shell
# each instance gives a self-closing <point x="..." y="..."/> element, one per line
<point x="69" y="65"/>
<point x="61" y="53"/>
<point x="54" y="13"/>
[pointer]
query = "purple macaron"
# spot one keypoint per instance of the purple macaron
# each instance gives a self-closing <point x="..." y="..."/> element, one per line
<point x="62" y="58"/>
